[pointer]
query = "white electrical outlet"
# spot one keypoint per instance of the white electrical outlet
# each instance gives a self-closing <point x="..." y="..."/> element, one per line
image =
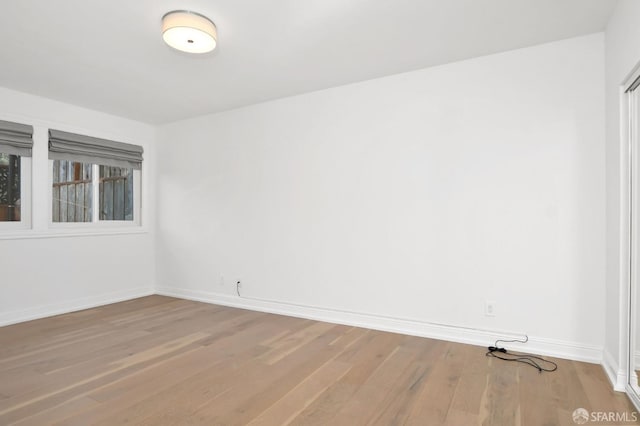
<point x="490" y="308"/>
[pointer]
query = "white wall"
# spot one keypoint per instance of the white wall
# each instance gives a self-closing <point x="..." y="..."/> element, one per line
<point x="415" y="196"/>
<point x="44" y="272"/>
<point x="622" y="55"/>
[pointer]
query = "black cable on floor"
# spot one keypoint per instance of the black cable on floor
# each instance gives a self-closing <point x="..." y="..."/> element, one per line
<point x="536" y="362"/>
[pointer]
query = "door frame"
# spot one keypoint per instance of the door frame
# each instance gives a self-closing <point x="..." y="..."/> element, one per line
<point x="629" y="230"/>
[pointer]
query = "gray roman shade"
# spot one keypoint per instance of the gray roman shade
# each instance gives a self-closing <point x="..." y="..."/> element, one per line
<point x="86" y="149"/>
<point x="16" y="139"/>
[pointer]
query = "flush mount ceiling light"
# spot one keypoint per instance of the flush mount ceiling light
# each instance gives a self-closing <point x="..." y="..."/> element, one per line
<point x="189" y="31"/>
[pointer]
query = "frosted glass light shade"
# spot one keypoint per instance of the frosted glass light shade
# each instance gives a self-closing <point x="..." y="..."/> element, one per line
<point x="189" y="32"/>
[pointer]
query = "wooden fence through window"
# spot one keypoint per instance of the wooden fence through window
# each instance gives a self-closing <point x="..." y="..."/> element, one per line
<point x="116" y="193"/>
<point x="73" y="192"/>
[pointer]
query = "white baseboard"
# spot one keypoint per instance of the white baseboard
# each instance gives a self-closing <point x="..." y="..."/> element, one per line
<point x="542" y="346"/>
<point x="617" y="377"/>
<point x="13" y="317"/>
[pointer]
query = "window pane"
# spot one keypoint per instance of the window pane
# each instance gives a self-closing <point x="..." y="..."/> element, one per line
<point x="72" y="191"/>
<point x="9" y="188"/>
<point x="116" y="193"/>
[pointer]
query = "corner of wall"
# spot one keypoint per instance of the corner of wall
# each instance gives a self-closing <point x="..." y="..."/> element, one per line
<point x="616" y="376"/>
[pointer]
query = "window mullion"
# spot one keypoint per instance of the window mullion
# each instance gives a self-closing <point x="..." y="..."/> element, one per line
<point x="95" y="202"/>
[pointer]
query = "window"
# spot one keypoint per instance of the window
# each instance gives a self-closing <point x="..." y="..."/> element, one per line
<point x="94" y="180"/>
<point x="16" y="141"/>
<point x="116" y="193"/>
<point x="9" y="188"/>
<point x="72" y="191"/>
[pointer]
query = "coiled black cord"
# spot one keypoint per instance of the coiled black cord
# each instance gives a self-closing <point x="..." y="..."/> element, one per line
<point x="536" y="362"/>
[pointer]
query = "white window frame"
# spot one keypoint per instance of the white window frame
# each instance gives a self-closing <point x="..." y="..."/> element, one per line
<point x="96" y="223"/>
<point x="26" y="178"/>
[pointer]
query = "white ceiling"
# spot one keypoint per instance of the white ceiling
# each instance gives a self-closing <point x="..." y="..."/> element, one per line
<point x="108" y="55"/>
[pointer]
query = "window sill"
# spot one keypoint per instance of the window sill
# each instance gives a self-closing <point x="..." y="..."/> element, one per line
<point x="27" y="234"/>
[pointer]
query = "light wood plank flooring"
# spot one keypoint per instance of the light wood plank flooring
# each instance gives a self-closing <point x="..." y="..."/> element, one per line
<point x="164" y="361"/>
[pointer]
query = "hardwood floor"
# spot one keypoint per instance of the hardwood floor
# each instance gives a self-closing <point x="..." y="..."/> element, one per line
<point x="164" y="361"/>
